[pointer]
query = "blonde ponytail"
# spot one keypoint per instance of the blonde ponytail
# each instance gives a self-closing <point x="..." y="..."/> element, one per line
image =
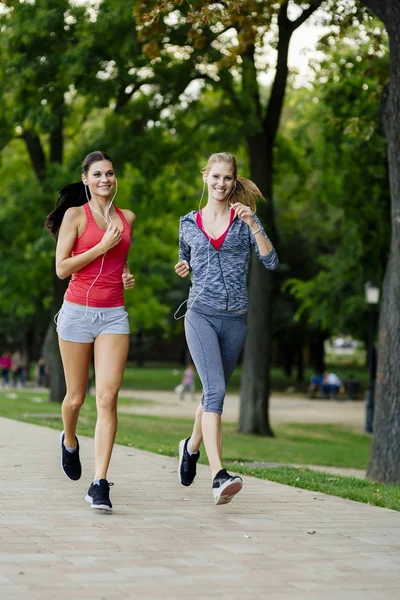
<point x="245" y="191"/>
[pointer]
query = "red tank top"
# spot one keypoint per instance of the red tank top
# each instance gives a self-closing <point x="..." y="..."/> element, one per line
<point x="107" y="290"/>
<point x="216" y="242"/>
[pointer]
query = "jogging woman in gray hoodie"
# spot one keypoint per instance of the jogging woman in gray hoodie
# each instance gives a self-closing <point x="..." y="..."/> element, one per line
<point x="214" y="246"/>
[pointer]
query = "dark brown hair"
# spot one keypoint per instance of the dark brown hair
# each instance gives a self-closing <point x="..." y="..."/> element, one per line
<point x="72" y="194"/>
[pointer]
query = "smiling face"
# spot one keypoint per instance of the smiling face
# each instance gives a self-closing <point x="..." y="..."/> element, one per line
<point x="100" y="178"/>
<point x="220" y="180"/>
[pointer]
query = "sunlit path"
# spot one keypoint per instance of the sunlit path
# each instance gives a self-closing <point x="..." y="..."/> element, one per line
<point x="166" y="541"/>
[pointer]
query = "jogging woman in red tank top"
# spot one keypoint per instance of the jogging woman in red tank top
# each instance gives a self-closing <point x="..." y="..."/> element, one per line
<point x="93" y="238"/>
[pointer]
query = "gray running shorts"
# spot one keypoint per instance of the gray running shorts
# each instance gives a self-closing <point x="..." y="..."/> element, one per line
<point x="76" y="323"/>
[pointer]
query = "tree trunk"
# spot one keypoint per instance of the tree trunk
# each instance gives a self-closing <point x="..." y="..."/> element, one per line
<point x="317" y="352"/>
<point x="255" y="380"/>
<point x="286" y="358"/>
<point x="57" y="133"/>
<point x="57" y="144"/>
<point x="384" y="464"/>
<point x="36" y="154"/>
<point x="53" y="356"/>
<point x="300" y="365"/>
<point x="51" y="350"/>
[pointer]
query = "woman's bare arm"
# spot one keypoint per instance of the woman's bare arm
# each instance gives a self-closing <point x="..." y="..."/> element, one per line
<point x="66" y="264"/>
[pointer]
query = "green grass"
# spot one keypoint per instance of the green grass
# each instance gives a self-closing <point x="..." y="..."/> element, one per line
<point x="357" y="359"/>
<point x="167" y="378"/>
<point x="162" y="378"/>
<point x="351" y="488"/>
<point x="294" y="443"/>
<point x="136" y="402"/>
<point x="327" y="445"/>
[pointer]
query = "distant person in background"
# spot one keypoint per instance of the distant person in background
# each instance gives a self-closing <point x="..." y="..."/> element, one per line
<point x="41" y="372"/>
<point x="331" y="385"/>
<point x="188" y="383"/>
<point x="5" y="366"/>
<point x="17" y="369"/>
<point x="315" y="387"/>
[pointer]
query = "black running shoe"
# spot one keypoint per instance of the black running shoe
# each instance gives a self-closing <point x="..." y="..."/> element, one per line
<point x="187" y="463"/>
<point x="225" y="486"/>
<point x="70" y="461"/>
<point x="99" y="495"/>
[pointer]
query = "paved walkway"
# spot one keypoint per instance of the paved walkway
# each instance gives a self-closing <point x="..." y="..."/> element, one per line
<point x="164" y="541"/>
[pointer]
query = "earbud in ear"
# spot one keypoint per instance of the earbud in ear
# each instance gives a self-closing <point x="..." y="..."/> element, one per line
<point x="85" y="181"/>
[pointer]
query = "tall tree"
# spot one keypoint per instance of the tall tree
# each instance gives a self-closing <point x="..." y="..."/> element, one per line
<point x="34" y="73"/>
<point x="261" y="138"/>
<point x="384" y="464"/>
<point x="232" y="38"/>
<point x="75" y="79"/>
<point x="341" y="179"/>
<point x="25" y="265"/>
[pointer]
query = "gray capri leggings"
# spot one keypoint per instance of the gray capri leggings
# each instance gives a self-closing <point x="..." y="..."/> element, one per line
<point x="215" y="339"/>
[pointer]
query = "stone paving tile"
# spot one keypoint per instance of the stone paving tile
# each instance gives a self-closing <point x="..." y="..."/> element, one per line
<point x="273" y="542"/>
<point x="388" y="594"/>
<point x="316" y="595"/>
<point x="12" y="593"/>
<point x="79" y="593"/>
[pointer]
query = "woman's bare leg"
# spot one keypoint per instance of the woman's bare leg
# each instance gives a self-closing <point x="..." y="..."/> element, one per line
<point x="110" y="354"/>
<point x="212" y="437"/>
<point x="197" y="435"/>
<point x="76" y="361"/>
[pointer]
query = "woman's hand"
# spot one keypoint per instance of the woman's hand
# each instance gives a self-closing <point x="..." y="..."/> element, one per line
<point x="128" y="279"/>
<point x="244" y="213"/>
<point x="182" y="268"/>
<point x="111" y="238"/>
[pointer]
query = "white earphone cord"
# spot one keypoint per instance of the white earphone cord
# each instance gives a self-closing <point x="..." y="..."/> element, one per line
<point x="108" y="220"/>
<point x="208" y="265"/>
<point x="201" y="291"/>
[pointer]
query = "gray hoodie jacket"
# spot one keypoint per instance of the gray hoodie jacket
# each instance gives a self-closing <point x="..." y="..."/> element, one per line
<point x="219" y="277"/>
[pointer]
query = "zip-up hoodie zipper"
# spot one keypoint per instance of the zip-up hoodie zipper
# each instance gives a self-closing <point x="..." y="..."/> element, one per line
<point x="223" y="287"/>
